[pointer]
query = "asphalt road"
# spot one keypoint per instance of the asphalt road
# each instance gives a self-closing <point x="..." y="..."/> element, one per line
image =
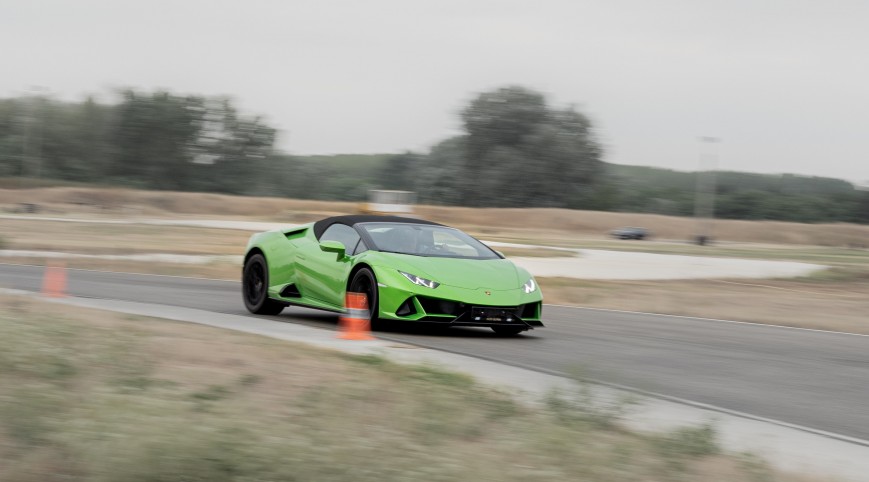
<point x="814" y="379"/>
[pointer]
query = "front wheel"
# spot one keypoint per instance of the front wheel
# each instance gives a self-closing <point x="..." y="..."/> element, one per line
<point x="508" y="330"/>
<point x="255" y="287"/>
<point x="364" y="282"/>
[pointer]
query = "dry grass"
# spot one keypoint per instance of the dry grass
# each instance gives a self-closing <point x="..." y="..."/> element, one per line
<point x="97" y="238"/>
<point x="101" y="238"/>
<point x="790" y="252"/>
<point x="515" y="223"/>
<point x="63" y="200"/>
<point x="837" y="301"/>
<point x="536" y="253"/>
<point x="217" y="270"/>
<point x="94" y="395"/>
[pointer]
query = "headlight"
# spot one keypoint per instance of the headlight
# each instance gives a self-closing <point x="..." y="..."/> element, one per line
<point x="529" y="286"/>
<point x="420" y="281"/>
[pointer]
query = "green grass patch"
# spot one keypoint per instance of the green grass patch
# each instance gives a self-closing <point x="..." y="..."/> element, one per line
<point x="837" y="274"/>
<point x="537" y="253"/>
<point x="685" y="442"/>
<point x="211" y="394"/>
<point x="441" y="377"/>
<point x="569" y="282"/>
<point x="249" y="379"/>
<point x="366" y="359"/>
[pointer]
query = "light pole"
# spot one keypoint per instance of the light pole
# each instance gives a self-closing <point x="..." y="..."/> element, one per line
<point x="704" y="198"/>
<point x="34" y="121"/>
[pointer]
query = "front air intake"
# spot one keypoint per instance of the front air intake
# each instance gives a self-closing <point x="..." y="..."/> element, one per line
<point x="407" y="308"/>
<point x="529" y="311"/>
<point x="434" y="306"/>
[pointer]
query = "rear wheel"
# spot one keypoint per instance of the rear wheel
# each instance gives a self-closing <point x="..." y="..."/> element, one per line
<point x="508" y="330"/>
<point x="255" y="287"/>
<point x="364" y="282"/>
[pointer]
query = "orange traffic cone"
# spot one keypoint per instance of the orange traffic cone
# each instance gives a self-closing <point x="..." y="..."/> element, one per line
<point x="54" y="281"/>
<point x="354" y="322"/>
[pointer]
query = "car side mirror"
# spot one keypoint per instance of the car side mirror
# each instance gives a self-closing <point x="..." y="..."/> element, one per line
<point x="336" y="247"/>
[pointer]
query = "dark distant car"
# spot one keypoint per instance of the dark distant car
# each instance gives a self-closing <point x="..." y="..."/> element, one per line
<point x="630" y="233"/>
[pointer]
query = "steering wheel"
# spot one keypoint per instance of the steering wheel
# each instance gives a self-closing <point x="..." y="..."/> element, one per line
<point x="435" y="248"/>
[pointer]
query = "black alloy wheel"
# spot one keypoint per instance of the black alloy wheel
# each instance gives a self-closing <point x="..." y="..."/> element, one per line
<point x="254" y="287"/>
<point x="364" y="282"/>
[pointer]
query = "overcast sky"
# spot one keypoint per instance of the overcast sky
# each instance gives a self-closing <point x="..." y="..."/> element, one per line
<point x="784" y="84"/>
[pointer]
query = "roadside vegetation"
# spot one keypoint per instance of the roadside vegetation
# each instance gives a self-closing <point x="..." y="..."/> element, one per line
<point x="93" y="395"/>
<point x="515" y="149"/>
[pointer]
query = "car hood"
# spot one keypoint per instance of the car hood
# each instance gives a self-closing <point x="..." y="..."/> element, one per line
<point x="493" y="274"/>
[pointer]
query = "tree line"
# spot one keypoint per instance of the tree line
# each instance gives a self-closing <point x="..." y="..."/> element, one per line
<point x="147" y="140"/>
<point x="738" y="195"/>
<point x="516" y="150"/>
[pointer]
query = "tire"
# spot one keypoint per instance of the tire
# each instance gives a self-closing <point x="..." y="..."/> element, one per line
<point x="255" y="288"/>
<point x="508" y="330"/>
<point x="363" y="281"/>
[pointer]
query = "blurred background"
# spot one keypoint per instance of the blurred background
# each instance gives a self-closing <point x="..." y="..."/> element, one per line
<point x="702" y="159"/>
<point x="585" y="106"/>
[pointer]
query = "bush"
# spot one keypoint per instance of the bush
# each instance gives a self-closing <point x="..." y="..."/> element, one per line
<point x="688" y="442"/>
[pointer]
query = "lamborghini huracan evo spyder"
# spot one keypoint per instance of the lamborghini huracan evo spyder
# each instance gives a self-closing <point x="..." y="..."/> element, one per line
<point x="410" y="270"/>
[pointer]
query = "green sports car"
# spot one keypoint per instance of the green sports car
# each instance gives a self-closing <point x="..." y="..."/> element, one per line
<point x="409" y="269"/>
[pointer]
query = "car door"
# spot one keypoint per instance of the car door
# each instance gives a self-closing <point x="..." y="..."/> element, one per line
<point x="324" y="274"/>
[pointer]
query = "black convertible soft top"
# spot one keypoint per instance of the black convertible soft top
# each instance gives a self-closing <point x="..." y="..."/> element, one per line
<point x="323" y="224"/>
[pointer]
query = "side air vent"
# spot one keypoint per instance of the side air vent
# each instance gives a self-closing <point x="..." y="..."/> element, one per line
<point x="290" y="291"/>
<point x="295" y="233"/>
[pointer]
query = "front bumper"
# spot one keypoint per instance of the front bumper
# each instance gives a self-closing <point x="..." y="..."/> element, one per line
<point x="447" y="305"/>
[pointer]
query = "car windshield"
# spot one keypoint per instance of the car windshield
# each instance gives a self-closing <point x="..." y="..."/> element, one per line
<point x="426" y="240"/>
